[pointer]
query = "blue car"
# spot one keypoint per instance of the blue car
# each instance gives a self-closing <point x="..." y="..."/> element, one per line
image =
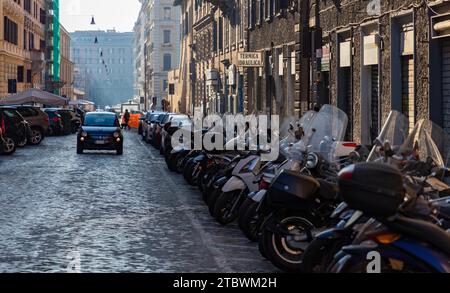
<point x="100" y="131"/>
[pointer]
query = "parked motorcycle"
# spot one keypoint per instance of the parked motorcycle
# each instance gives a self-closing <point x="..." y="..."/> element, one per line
<point x="406" y="231"/>
<point x="320" y="253"/>
<point x="299" y="205"/>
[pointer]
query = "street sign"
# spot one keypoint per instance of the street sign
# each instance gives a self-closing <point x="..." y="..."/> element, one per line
<point x="250" y="59"/>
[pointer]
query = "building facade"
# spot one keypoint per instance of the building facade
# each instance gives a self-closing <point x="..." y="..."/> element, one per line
<point x="273" y="30"/>
<point x="104" y="65"/>
<point x="66" y="66"/>
<point x="162" y="48"/>
<point x="379" y="56"/>
<point x="140" y="53"/>
<point x="21" y="45"/>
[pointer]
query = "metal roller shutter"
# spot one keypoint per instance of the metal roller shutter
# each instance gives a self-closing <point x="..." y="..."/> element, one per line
<point x="375" y="112"/>
<point x="408" y="101"/>
<point x="446" y="83"/>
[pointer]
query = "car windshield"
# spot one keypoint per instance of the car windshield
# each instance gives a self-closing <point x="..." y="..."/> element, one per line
<point x="101" y="120"/>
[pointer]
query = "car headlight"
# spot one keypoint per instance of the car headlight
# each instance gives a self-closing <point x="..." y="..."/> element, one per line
<point x="84" y="134"/>
<point x="312" y="161"/>
<point x="116" y="134"/>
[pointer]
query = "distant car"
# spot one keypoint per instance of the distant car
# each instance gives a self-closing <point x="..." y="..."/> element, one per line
<point x="140" y="127"/>
<point x="157" y="130"/>
<point x="55" y="122"/>
<point x="148" y="124"/>
<point x="38" y="122"/>
<point x="16" y="130"/>
<point x="176" y="122"/>
<point x="100" y="131"/>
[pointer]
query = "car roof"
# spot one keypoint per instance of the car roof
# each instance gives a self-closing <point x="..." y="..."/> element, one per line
<point x="101" y="113"/>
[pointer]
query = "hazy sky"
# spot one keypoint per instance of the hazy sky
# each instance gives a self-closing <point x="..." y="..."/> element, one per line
<point x="109" y="14"/>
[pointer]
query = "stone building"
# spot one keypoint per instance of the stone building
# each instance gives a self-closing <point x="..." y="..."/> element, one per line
<point x="273" y="30"/>
<point x="67" y="66"/>
<point x="21" y="45"/>
<point x="380" y="55"/>
<point x="140" y="54"/>
<point x="162" y="47"/>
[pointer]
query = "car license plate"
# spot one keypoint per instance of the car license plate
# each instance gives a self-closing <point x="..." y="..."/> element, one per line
<point x="100" y="142"/>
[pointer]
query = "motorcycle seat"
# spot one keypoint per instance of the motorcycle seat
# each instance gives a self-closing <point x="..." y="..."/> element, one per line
<point x="424" y="231"/>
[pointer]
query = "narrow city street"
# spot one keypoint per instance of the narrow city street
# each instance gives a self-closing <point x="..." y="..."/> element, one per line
<point x="118" y="213"/>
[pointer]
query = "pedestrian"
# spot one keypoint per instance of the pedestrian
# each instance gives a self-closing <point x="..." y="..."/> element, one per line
<point x="127" y="117"/>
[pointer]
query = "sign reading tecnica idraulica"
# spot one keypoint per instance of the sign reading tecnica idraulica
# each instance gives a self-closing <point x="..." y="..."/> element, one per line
<point x="250" y="59"/>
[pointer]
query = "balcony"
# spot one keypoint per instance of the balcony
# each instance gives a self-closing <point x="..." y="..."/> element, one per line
<point x="225" y="5"/>
<point x="13" y="9"/>
<point x="14" y="50"/>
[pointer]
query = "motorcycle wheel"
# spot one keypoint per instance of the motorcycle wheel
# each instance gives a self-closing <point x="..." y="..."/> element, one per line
<point x="179" y="164"/>
<point x="212" y="199"/>
<point x="249" y="219"/>
<point x="187" y="171"/>
<point x="192" y="173"/>
<point x="226" y="209"/>
<point x="286" y="251"/>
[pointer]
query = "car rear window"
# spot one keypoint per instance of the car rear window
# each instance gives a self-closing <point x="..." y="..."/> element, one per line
<point x="101" y="120"/>
<point x="10" y="113"/>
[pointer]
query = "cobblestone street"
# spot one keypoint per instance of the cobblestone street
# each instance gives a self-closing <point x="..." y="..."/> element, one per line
<point x="119" y="213"/>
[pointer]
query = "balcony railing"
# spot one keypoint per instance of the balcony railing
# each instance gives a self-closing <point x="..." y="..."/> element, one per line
<point x="14" y="50"/>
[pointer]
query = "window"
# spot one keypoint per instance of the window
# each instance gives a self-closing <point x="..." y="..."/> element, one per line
<point x="167" y="13"/>
<point x="220" y="39"/>
<point x="42" y="16"/>
<point x="20" y="74"/>
<point x="167" y="62"/>
<point x="165" y="85"/>
<point x="31" y="41"/>
<point x="27" y="5"/>
<point x="25" y="37"/>
<point x="11" y="31"/>
<point x="166" y="37"/>
<point x="12" y="86"/>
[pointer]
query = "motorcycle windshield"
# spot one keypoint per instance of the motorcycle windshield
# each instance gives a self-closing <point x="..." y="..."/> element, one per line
<point x="302" y="126"/>
<point x="327" y="127"/>
<point x="427" y="141"/>
<point x="395" y="131"/>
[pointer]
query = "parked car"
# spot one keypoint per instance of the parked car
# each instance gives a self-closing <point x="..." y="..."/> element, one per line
<point x="176" y="122"/>
<point x="16" y="130"/>
<point x="38" y="122"/>
<point x="71" y="121"/>
<point x="157" y="129"/>
<point x="148" y="125"/>
<point x="100" y="131"/>
<point x="55" y="122"/>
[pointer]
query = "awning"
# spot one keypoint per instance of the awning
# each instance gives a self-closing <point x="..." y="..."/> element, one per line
<point x="35" y="96"/>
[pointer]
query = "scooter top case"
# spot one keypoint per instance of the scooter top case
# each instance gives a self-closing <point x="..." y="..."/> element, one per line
<point x="293" y="190"/>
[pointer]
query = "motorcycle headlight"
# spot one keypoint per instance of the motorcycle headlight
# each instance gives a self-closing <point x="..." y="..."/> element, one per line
<point x="312" y="161"/>
<point x="116" y="134"/>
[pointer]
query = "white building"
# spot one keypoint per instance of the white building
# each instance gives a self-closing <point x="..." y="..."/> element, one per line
<point x="163" y="46"/>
